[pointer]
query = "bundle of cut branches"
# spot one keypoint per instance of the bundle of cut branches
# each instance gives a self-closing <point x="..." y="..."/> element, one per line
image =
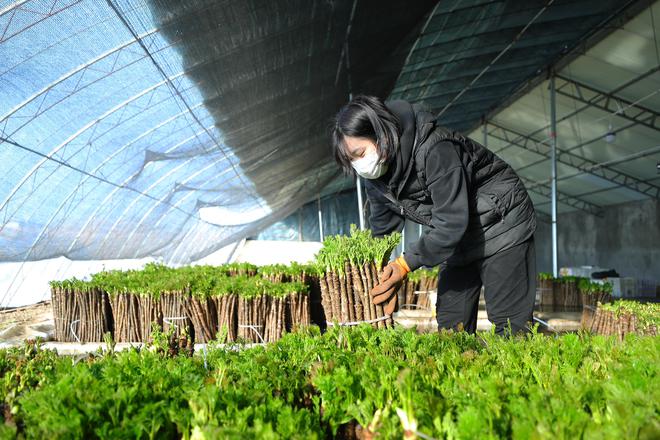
<point x="204" y="316"/>
<point x="545" y="283"/>
<point x="415" y="291"/>
<point x="623" y="317"/>
<point x="350" y="266"/>
<point x="65" y="310"/>
<point x="127" y="317"/>
<point x="592" y="294"/>
<point x="174" y="313"/>
<point x="227" y="307"/>
<point x="200" y="301"/>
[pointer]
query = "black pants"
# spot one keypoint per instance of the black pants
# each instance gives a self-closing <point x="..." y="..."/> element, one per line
<point x="509" y="280"/>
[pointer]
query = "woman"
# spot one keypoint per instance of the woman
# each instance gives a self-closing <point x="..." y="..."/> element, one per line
<point x="478" y="219"/>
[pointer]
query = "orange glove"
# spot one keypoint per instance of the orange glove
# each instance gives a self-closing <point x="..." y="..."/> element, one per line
<point x="390" y="279"/>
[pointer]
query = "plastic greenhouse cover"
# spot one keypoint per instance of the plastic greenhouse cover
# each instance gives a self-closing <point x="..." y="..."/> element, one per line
<point x="338" y="212"/>
<point x="169" y="129"/>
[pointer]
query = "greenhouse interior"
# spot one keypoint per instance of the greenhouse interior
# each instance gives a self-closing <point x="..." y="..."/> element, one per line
<point x="329" y="219"/>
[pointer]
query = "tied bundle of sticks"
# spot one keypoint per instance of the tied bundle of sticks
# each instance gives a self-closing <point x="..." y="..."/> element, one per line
<point x="625" y="317"/>
<point x="204" y="317"/>
<point x="175" y="315"/>
<point x="349" y="267"/>
<point x="252" y="313"/>
<point x="566" y="296"/>
<point x="345" y="296"/>
<point x="287" y="308"/>
<point x="592" y="294"/>
<point x="227" y="307"/>
<point x="296" y="279"/>
<point x="125" y="310"/>
<point x="415" y="290"/>
<point x="304" y="286"/>
<point x="545" y="287"/>
<point x="65" y="311"/>
<point x="81" y="312"/>
<point x="406" y="293"/>
<point x="297" y="310"/>
<point x="558" y="294"/>
<point x="133" y="316"/>
<point x="274" y="322"/>
<point x="427" y="282"/>
<point x="94" y="314"/>
<point x="572" y="300"/>
<point x="592" y="298"/>
<point x="267" y="309"/>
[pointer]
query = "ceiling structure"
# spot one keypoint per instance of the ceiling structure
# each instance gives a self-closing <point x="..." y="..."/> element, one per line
<point x="163" y="128"/>
<point x="608" y="130"/>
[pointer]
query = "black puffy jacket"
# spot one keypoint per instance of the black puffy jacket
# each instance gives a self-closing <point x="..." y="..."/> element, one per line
<point x="471" y="202"/>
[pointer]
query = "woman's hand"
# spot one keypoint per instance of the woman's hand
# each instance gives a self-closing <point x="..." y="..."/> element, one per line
<point x="390" y="280"/>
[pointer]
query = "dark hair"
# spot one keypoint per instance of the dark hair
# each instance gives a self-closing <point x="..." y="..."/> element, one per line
<point x="365" y="117"/>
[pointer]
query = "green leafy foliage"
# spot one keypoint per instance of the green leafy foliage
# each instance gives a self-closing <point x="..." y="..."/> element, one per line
<point x="570" y="279"/>
<point x="358" y="248"/>
<point x="307" y="385"/>
<point x="293" y="271"/>
<point x="131" y="395"/>
<point x="590" y="287"/>
<point x="545" y="276"/>
<point x="21" y="369"/>
<point x="647" y="314"/>
<point x="200" y="281"/>
<point x="421" y="273"/>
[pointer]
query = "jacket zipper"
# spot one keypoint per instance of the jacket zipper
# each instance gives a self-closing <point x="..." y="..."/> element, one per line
<point x="411" y="215"/>
<point x="404" y="212"/>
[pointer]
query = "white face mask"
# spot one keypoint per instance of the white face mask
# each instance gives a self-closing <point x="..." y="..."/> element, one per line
<point x="369" y="166"/>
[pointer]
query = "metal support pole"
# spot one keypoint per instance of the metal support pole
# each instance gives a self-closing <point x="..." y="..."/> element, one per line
<point x="358" y="183"/>
<point x="553" y="160"/>
<point x="318" y="201"/>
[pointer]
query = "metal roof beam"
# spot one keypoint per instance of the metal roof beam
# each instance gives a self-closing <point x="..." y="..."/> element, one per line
<point x="573" y="160"/>
<point x="589" y="105"/>
<point x="583" y="144"/>
<point x="634" y="156"/>
<point x="575" y="202"/>
<point x="615" y="21"/>
<point x="23" y="24"/>
<point x="609" y="102"/>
